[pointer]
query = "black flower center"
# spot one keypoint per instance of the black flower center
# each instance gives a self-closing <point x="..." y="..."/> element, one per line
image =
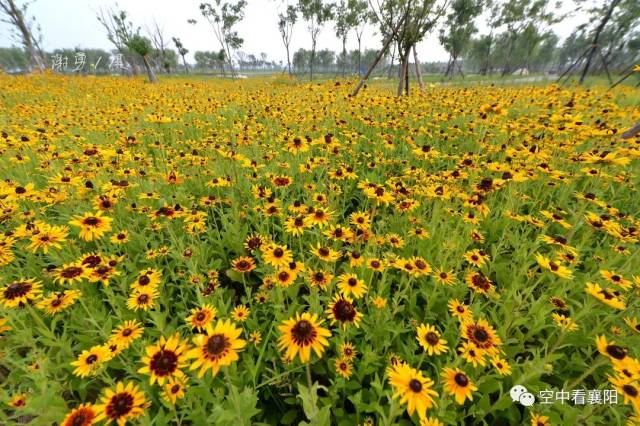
<point x="16" y="290"/>
<point x="164" y="362"/>
<point x="432" y="338"/>
<point x="92" y="261"/>
<point x="630" y="390"/>
<point x="415" y="385"/>
<point x="78" y="419"/>
<point x="71" y="272"/>
<point x="217" y="344"/>
<point x="461" y="379"/>
<point x="480" y="335"/>
<point x="303" y="333"/>
<point x="617" y="352"/>
<point x="120" y="405"/>
<point x="91" y="221"/>
<point x="344" y="311"/>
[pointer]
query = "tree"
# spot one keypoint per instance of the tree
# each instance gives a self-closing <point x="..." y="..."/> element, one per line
<point x="608" y="11"/>
<point x="487" y="41"/>
<point x="160" y="43"/>
<point x="286" y="21"/>
<point x="142" y="46"/>
<point x="13" y="59"/>
<point x="361" y="15"/>
<point x="520" y="15"/>
<point x="316" y="14"/>
<point x="17" y="17"/>
<point x="390" y="36"/>
<point x="223" y="17"/>
<point x="344" y="21"/>
<point x="119" y="32"/>
<point x="418" y="18"/>
<point x="182" y="51"/>
<point x="460" y="26"/>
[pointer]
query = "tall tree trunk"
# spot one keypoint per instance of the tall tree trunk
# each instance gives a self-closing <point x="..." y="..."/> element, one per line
<point x="359" y="54"/>
<point x="452" y="72"/>
<point x="418" y="72"/>
<point x="402" y="78"/>
<point x="596" y="36"/>
<point x="313" y="58"/>
<point x="447" y="71"/>
<point x="186" y="67"/>
<point x="288" y="59"/>
<point x="485" y="69"/>
<point x="344" y="56"/>
<point x="150" y="73"/>
<point x="406" y="72"/>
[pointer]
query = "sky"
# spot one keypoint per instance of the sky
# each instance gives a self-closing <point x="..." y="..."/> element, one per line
<point x="73" y="23"/>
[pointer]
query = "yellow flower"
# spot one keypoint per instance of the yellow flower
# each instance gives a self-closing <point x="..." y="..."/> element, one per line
<point x="429" y="338"/>
<point x="414" y="390"/>
<point x="458" y="384"/>
<point x="302" y="334"/>
<point x="124" y="403"/>
<point x="92" y="226"/>
<point x="165" y="359"/>
<point x="218" y="347"/>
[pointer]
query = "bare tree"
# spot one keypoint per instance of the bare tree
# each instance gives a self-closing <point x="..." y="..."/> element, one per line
<point x="160" y="43"/>
<point x="119" y="32"/>
<point x="17" y="17"/>
<point x="286" y="21"/>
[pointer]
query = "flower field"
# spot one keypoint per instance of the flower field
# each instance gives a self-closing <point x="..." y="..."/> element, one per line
<point x="275" y="252"/>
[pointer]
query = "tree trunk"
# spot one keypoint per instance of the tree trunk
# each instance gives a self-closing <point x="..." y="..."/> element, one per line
<point x="359" y="54"/>
<point x="344" y="56"/>
<point x="446" y="70"/>
<point x="417" y="65"/>
<point x="186" y="67"/>
<point x="406" y="72"/>
<point x="452" y="72"/>
<point x="485" y="70"/>
<point x="288" y="59"/>
<point x="402" y="78"/>
<point x="150" y="73"/>
<point x="596" y="36"/>
<point x="312" y="59"/>
<point x="631" y="132"/>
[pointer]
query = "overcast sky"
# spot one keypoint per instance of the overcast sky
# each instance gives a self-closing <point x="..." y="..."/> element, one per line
<point x="72" y="23"/>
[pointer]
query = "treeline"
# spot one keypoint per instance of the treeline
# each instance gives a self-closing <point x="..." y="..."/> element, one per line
<point x="518" y="38"/>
